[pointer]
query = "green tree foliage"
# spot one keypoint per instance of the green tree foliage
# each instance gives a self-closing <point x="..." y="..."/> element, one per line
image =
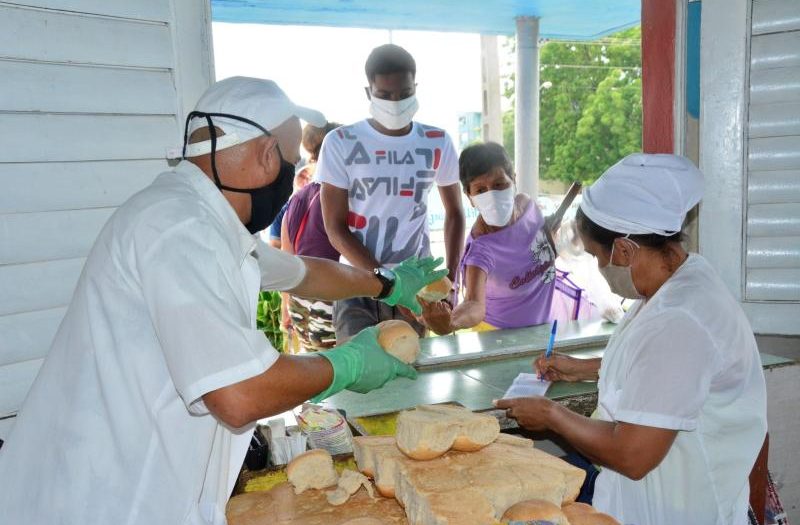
<point x="591" y="114"/>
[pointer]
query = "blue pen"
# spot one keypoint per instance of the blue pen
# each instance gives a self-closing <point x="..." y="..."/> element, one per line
<point x="549" y="352"/>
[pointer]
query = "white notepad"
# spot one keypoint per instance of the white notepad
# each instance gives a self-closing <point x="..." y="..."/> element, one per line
<point x="526" y="385"/>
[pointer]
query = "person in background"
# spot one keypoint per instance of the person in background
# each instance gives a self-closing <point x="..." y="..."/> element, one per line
<point x="303" y="233"/>
<point x="508" y="267"/>
<point x="301" y="179"/>
<point x="682" y="410"/>
<point x="376" y="175"/>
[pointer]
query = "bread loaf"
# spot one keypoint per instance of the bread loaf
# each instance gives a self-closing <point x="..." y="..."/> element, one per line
<point x="429" y="431"/>
<point x="281" y="506"/>
<point x="573" y="509"/>
<point x="379" y="458"/>
<point x="535" y="510"/>
<point x="594" y="518"/>
<point x="399" y="339"/>
<point x="467" y="488"/>
<point x="583" y="514"/>
<point x="436" y="291"/>
<point x="311" y="470"/>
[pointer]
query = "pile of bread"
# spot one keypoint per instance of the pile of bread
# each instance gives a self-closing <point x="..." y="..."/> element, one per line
<point x="449" y="466"/>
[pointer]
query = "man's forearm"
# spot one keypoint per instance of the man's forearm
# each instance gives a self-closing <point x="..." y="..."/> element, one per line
<point x="356" y="253"/>
<point x="453" y="242"/>
<point x="290" y="381"/>
<point x="330" y="281"/>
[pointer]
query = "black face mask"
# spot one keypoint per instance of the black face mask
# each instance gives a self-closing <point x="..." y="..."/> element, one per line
<point x="266" y="201"/>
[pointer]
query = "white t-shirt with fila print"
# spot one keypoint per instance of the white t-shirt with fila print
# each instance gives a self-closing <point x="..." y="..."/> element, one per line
<point x="388" y="180"/>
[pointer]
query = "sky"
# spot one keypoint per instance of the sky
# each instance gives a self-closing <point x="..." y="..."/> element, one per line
<point x="323" y="67"/>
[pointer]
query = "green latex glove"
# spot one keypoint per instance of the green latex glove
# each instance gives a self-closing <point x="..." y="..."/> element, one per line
<point x="411" y="276"/>
<point x="362" y="365"/>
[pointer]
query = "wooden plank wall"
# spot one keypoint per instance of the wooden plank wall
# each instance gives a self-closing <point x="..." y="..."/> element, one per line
<point x="93" y="94"/>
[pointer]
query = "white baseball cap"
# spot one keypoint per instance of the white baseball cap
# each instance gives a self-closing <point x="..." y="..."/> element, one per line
<point x="256" y="99"/>
<point x="644" y="193"/>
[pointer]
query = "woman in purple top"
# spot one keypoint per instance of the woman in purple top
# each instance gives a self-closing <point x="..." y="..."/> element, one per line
<point x="508" y="267"/>
<point x="303" y="233"/>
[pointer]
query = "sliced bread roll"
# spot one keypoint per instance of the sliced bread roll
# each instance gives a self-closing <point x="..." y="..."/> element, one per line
<point x="399" y="339"/>
<point x="431" y="430"/>
<point x="436" y="291"/>
<point x="311" y="470"/>
<point x="535" y="510"/>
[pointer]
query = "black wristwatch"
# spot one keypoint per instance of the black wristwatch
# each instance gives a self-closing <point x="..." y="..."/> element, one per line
<point x="386" y="277"/>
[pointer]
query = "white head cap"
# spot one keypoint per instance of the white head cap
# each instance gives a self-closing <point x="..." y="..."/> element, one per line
<point x="644" y="193"/>
<point x="256" y="99"/>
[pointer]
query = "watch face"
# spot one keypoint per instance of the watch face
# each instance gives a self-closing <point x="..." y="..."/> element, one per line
<point x="385" y="273"/>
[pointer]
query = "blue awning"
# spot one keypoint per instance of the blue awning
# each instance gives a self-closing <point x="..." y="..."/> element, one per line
<point x="560" y="19"/>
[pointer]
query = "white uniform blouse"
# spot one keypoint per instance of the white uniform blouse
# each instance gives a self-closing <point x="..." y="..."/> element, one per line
<point x="114" y="429"/>
<point x="686" y="360"/>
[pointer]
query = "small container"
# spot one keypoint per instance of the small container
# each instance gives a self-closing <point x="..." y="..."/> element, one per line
<point x="326" y="429"/>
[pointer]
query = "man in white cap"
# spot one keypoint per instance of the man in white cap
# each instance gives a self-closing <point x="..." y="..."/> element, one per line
<point x="145" y="404"/>
<point x="681" y="410"/>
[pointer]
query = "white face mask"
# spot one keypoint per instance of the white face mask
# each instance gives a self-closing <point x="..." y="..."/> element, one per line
<point x="393" y="114"/>
<point x="619" y="278"/>
<point x="496" y="206"/>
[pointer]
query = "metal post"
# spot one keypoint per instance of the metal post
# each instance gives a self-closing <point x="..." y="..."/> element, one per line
<point x="491" y="117"/>
<point x="526" y="123"/>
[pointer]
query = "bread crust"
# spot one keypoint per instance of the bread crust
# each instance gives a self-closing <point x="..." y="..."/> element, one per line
<point x="595" y="518"/>
<point x="429" y="431"/>
<point x="324" y="474"/>
<point x="465" y="444"/>
<point x="464" y="488"/>
<point x="534" y="509"/>
<point x="437" y="290"/>
<point x="582" y="514"/>
<point x="399" y="339"/>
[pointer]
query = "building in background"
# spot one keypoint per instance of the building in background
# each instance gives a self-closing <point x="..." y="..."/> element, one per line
<point x="469" y="128"/>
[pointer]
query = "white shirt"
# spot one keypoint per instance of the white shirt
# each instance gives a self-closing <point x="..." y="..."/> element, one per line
<point x="114" y="429"/>
<point x="388" y="179"/>
<point x="686" y="360"/>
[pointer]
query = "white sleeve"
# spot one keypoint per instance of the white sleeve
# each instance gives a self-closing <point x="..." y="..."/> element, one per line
<point x="330" y="166"/>
<point x="447" y="173"/>
<point x="191" y="283"/>
<point x="670" y="374"/>
<point x="279" y="270"/>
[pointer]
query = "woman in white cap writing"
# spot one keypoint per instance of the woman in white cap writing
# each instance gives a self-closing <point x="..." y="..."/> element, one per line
<point x="681" y="414"/>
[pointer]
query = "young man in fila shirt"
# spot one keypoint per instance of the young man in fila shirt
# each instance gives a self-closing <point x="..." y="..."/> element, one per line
<point x="376" y="175"/>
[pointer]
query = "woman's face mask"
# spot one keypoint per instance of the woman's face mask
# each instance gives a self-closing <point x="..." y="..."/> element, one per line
<point x="391" y="114"/>
<point x="619" y="278"/>
<point x="496" y="206"/>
